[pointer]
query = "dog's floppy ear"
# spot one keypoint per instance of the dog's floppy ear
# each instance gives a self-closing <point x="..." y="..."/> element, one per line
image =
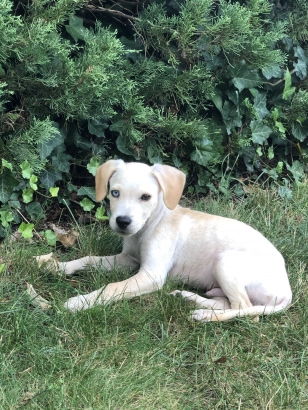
<point x="103" y="174"/>
<point x="171" y="182"/>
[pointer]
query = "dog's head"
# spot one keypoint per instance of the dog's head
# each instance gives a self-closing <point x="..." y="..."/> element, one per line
<point x="136" y="190"/>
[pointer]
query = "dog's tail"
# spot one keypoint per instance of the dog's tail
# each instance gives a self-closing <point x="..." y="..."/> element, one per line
<point x="215" y="315"/>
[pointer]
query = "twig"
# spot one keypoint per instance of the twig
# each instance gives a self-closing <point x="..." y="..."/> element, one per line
<point x="115" y="13"/>
<point x="279" y="81"/>
<point x="25" y="219"/>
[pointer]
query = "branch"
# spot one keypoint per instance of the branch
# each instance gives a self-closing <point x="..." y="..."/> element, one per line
<point x="279" y="81"/>
<point x="115" y="13"/>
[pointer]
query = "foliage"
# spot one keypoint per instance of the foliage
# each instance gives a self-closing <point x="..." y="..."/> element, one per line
<point x="144" y="353"/>
<point x="218" y="89"/>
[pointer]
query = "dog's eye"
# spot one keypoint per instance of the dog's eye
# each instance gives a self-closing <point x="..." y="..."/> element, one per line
<point x="145" y="197"/>
<point x="115" y="193"/>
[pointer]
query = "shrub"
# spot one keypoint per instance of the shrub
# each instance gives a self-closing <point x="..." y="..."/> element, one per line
<point x="218" y="89"/>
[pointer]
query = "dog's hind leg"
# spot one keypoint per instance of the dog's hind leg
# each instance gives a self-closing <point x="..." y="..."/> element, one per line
<point x="217" y="303"/>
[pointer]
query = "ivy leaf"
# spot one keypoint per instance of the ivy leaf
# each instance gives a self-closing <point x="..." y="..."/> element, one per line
<point x="61" y="161"/>
<point x="6" y="217"/>
<point x="93" y="165"/>
<point x="273" y="71"/>
<point x="97" y="126"/>
<point x="54" y="191"/>
<point x="50" y="237"/>
<point x="299" y="131"/>
<point x="27" y="195"/>
<point x="35" y="211"/>
<point x="87" y="205"/>
<point x="259" y="132"/>
<point x="297" y="169"/>
<point x="288" y="89"/>
<point x="26" y="230"/>
<point x="26" y="169"/>
<point x="302" y="62"/>
<point x="230" y="116"/>
<point x="244" y="78"/>
<point x="123" y="143"/>
<point x="100" y="213"/>
<point x="49" y="178"/>
<point x="76" y="29"/>
<point x="260" y="105"/>
<point x="7" y="184"/>
<point x="7" y="164"/>
<point x="33" y="181"/>
<point x="46" y="147"/>
<point x="88" y="191"/>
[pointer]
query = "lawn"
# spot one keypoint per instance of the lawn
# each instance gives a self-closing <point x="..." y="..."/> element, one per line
<point x="145" y="353"/>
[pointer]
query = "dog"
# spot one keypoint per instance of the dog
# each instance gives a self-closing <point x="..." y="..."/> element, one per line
<point x="241" y="272"/>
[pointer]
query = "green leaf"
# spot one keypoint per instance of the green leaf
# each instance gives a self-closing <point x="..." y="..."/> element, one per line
<point x="297" y="169"/>
<point x="61" y="161"/>
<point x="7" y="184"/>
<point x="93" y="165"/>
<point x="299" y="131"/>
<point x="33" y="181"/>
<point x="76" y="29"/>
<point x="284" y="191"/>
<point x="6" y="217"/>
<point x="49" y="178"/>
<point x="26" y="169"/>
<point x="88" y="191"/>
<point x="280" y="127"/>
<point x="50" y="237"/>
<point x="273" y="71"/>
<point x="54" y="191"/>
<point x="27" y="195"/>
<point x="87" y="205"/>
<point x="97" y="126"/>
<point x="244" y="77"/>
<point x="201" y="157"/>
<point x="26" y="230"/>
<point x="7" y="164"/>
<point x="302" y="62"/>
<point x="260" y="105"/>
<point x="270" y="153"/>
<point x="288" y="89"/>
<point x="231" y="117"/>
<point x="100" y="213"/>
<point x="46" y="146"/>
<point x="35" y="211"/>
<point x="279" y="167"/>
<point x="259" y="132"/>
<point x="2" y="267"/>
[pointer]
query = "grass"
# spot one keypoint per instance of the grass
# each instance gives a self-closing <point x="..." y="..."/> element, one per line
<point x="145" y="353"/>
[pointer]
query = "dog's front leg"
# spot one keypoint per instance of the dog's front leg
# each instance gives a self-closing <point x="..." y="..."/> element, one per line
<point x="141" y="283"/>
<point x="106" y="262"/>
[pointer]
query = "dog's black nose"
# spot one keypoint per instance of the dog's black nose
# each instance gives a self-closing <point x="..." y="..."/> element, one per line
<point x="123" y="221"/>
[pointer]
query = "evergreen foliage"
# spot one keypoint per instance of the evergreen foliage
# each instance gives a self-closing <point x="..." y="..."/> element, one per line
<point x="218" y="89"/>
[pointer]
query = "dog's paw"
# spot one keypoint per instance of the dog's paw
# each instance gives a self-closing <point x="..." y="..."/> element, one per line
<point x="203" y="315"/>
<point x="48" y="261"/>
<point x="78" y="303"/>
<point x="176" y="293"/>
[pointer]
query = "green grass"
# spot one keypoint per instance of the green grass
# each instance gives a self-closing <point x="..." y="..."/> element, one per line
<point x="145" y="353"/>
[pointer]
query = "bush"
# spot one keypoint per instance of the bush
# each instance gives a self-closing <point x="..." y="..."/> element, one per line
<point x="218" y="89"/>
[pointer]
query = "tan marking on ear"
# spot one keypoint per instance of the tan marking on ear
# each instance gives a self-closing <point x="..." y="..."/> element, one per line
<point x="171" y="181"/>
<point x="103" y="174"/>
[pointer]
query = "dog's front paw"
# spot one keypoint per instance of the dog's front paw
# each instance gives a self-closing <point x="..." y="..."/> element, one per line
<point x="78" y="303"/>
<point x="48" y="261"/>
<point x="203" y="315"/>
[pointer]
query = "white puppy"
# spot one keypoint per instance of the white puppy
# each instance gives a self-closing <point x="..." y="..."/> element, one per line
<point x="240" y="270"/>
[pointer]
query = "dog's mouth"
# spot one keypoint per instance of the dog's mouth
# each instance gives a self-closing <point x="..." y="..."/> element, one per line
<point x="122" y="232"/>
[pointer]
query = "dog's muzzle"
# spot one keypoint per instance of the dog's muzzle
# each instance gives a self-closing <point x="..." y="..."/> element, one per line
<point x="123" y="222"/>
